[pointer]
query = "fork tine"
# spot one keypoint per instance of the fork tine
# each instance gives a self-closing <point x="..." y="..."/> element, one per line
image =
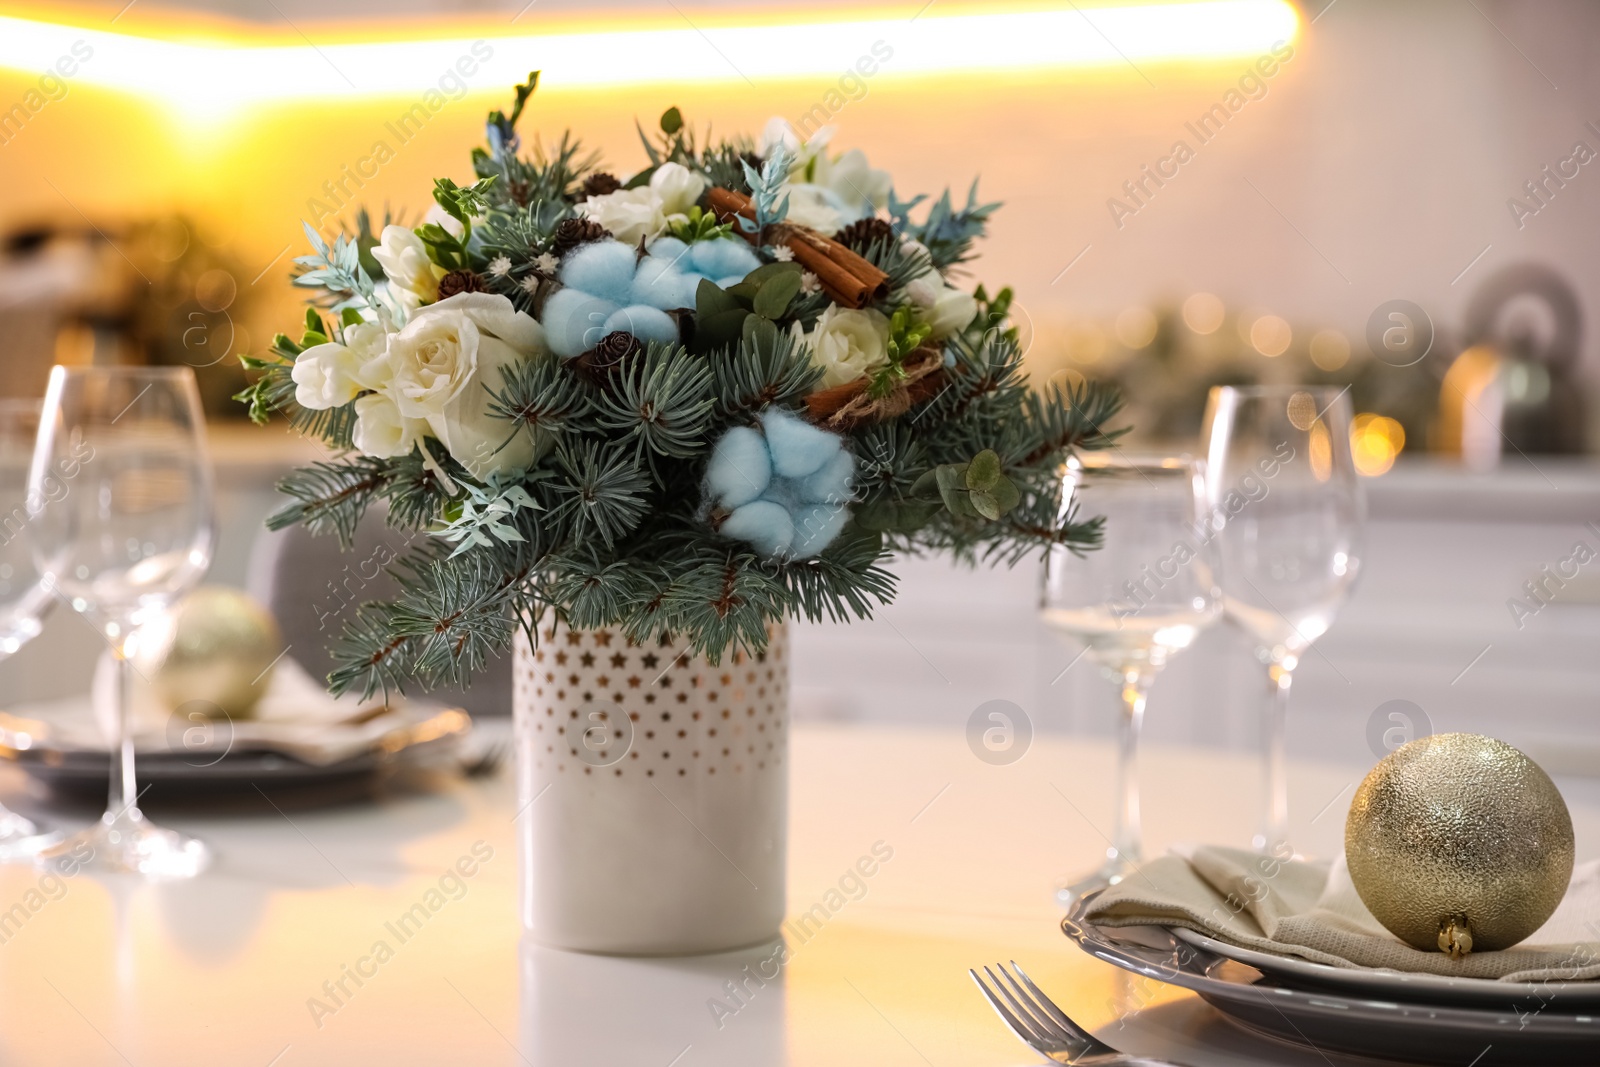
<point x="1025" y="1011"/>
<point x="1012" y="1022"/>
<point x="1046" y="1023"/>
<point x="1049" y="1005"/>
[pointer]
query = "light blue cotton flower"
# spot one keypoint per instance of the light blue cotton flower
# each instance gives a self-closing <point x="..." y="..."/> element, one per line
<point x="601" y="268"/>
<point x="740" y="469"/>
<point x="786" y="486"/>
<point x="645" y="323"/>
<point x="607" y="287"/>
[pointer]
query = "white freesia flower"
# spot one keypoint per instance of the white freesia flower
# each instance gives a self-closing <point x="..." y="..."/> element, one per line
<point x="848" y="344"/>
<point x="381" y="430"/>
<point x="404" y="258"/>
<point x="630" y="214"/>
<point x="330" y="375"/>
<point x="945" y="309"/>
<point x="677" y="187"/>
<point x="443" y="366"/>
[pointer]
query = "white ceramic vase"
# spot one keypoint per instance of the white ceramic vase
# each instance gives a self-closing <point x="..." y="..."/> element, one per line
<point x="652" y="793"/>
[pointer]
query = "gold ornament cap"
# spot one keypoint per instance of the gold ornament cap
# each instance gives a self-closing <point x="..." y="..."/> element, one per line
<point x="1459" y="842"/>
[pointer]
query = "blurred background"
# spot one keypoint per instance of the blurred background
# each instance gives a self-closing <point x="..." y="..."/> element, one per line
<point x="1399" y="196"/>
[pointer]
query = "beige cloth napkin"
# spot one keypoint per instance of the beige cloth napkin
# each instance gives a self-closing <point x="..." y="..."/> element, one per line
<point x="1311" y="910"/>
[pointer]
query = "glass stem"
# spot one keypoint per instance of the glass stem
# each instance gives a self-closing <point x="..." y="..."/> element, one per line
<point x="1274" y="836"/>
<point x="1127" y="835"/>
<point x="122" y="803"/>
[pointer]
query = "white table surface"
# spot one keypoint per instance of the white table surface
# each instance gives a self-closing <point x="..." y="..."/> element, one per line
<point x="221" y="970"/>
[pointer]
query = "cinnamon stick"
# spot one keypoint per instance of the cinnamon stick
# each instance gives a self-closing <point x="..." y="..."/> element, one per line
<point x="846" y="277"/>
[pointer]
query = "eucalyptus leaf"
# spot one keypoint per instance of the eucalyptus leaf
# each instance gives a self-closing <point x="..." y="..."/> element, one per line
<point x="984" y="503"/>
<point x="1006" y="495"/>
<point x="776" y="294"/>
<point x="952" y="479"/>
<point x="671" y="121"/>
<point x="984" y="470"/>
<point x="709" y="299"/>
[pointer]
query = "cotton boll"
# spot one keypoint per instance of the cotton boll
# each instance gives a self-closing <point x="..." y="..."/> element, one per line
<point x="730" y="281"/>
<point x="831" y="484"/>
<point x="645" y="323"/>
<point x="667" y="248"/>
<point x="740" y="469"/>
<point x="602" y="268"/>
<point x="723" y="257"/>
<point x="815" y="527"/>
<point x="765" y="526"/>
<point x="784" y="491"/>
<point x="797" y="447"/>
<point x="659" y="285"/>
<point x="574" y="321"/>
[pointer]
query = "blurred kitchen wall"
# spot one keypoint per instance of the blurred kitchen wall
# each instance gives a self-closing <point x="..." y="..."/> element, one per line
<point x="1375" y="162"/>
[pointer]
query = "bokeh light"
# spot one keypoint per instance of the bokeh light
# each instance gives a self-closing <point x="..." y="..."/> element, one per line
<point x="1375" y="441"/>
<point x="1136" y="327"/>
<point x="1203" y="313"/>
<point x="1330" y="349"/>
<point x="1270" y="335"/>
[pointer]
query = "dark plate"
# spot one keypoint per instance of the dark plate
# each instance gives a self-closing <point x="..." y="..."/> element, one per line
<point x="430" y="734"/>
<point x="1329" y="1021"/>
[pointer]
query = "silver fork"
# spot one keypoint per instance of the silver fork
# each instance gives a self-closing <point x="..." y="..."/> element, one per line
<point x="1045" y="1028"/>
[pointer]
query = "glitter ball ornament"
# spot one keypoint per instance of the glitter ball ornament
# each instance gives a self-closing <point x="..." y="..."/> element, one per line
<point x="217" y="646"/>
<point x="1459" y="842"/>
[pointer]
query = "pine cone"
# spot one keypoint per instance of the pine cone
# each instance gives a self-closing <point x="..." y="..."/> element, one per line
<point x="862" y="235"/>
<point x="459" y="281"/>
<point x="571" y="233"/>
<point x="609" y="358"/>
<point x="600" y="183"/>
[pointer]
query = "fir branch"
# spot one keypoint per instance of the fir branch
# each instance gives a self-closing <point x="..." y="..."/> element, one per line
<point x="662" y="402"/>
<point x="331" y="497"/>
<point x="541" y="394"/>
<point x="600" y="489"/>
<point x="750" y="377"/>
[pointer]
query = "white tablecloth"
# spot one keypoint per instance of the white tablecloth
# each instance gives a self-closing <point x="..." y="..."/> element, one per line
<point x="231" y="968"/>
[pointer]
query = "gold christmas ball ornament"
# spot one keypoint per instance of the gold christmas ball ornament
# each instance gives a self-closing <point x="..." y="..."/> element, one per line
<point x="215" y="646"/>
<point x="1459" y="842"/>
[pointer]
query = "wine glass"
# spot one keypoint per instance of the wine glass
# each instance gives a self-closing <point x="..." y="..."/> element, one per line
<point x="1133" y="603"/>
<point x="23" y="600"/>
<point x="132" y="532"/>
<point x="1287" y="509"/>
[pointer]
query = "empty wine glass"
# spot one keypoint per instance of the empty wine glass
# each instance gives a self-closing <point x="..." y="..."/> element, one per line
<point x="132" y="532"/>
<point x="1287" y="510"/>
<point x="1133" y="603"/>
<point x="23" y="600"/>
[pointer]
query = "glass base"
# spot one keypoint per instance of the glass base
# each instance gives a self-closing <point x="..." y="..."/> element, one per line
<point x="20" y="839"/>
<point x="131" y="844"/>
<point x="1114" y="871"/>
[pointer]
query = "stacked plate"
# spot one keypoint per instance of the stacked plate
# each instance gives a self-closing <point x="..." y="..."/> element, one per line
<point x="1411" y="1018"/>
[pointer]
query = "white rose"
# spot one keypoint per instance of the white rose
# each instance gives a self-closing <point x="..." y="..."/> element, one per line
<point x="676" y="187"/>
<point x="330" y="375"/>
<point x="381" y="430"/>
<point x="404" y="258"/>
<point x="848" y="344"/>
<point x="446" y="362"/>
<point x="630" y="214"/>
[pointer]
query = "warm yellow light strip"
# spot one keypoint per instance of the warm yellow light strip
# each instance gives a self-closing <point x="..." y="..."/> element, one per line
<point x="211" y="77"/>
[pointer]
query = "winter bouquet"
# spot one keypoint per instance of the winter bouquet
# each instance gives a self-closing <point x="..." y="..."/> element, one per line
<point x="695" y="401"/>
